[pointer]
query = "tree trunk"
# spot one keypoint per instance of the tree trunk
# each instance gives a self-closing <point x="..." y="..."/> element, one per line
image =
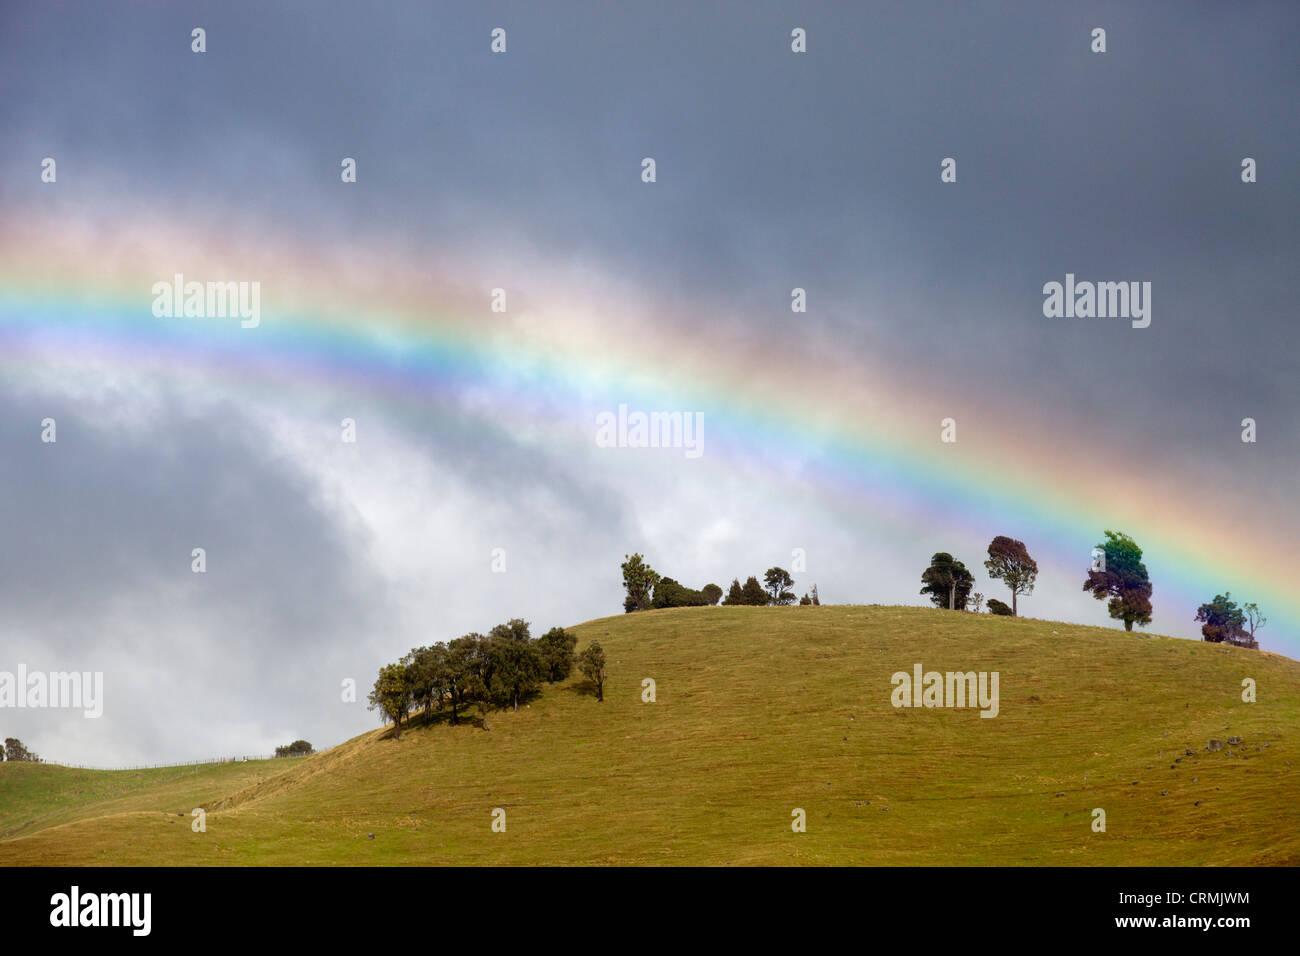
<point x="952" y="597"/>
<point x="1128" y="624"/>
<point x="1013" y="603"/>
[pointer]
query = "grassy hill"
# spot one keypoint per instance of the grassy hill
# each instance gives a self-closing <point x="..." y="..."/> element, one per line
<point x="759" y="711"/>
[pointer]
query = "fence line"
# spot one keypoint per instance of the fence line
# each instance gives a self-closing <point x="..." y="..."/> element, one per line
<point x="179" y="763"/>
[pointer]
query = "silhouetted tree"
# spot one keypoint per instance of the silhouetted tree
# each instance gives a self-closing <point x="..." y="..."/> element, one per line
<point x="1009" y="561"/>
<point x="778" y="582"/>
<point x="639" y="580"/>
<point x="816" y="600"/>
<point x="736" y="594"/>
<point x="299" y="748"/>
<point x="753" y="592"/>
<point x="712" y="593"/>
<point x="1255" y="619"/>
<point x="997" y="607"/>
<point x="670" y="593"/>
<point x="516" y="629"/>
<point x="947" y="582"/>
<point x="14" y="750"/>
<point x="1123" y="580"/>
<point x="1222" y="620"/>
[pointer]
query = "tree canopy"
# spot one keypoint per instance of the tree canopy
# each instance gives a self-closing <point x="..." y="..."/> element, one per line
<point x="947" y="582"/>
<point x="1121" y="580"/>
<point x="1009" y="562"/>
<point x="777" y="583"/>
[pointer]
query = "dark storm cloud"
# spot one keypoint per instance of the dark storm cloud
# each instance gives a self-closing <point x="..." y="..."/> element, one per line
<point x="774" y="170"/>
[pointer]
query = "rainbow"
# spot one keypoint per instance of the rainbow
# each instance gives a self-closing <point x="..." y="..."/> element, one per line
<point x="387" y="325"/>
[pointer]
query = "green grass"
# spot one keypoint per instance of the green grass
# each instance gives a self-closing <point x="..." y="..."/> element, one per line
<point x="759" y="711"/>
<point x="37" y="796"/>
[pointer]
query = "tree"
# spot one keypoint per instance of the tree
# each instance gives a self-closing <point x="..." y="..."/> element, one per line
<point x="517" y="669"/>
<point x="1009" y="561"/>
<point x="778" y="582"/>
<point x="670" y="593"/>
<point x="484" y="663"/>
<point x="816" y="600"/>
<point x="753" y="592"/>
<point x="1254" y="621"/>
<point x="427" y="670"/>
<point x="639" y="580"/>
<point x="947" y="582"/>
<point x="1221" y="620"/>
<point x="391" y="695"/>
<point x="591" y="662"/>
<point x="299" y="748"/>
<point x="805" y="601"/>
<point x="736" y="594"/>
<point x="516" y="629"/>
<point x="997" y="607"/>
<point x="1123" y="580"/>
<point x="976" y="602"/>
<point x="459" y="674"/>
<point x="556" y="650"/>
<point x="712" y="593"/>
<point x="14" y="750"/>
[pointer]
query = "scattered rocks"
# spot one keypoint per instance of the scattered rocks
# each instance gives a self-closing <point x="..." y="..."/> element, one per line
<point x="1164" y="793"/>
<point x="370" y="836"/>
<point x="1189" y="753"/>
<point x="1234" y="741"/>
<point x="1214" y="745"/>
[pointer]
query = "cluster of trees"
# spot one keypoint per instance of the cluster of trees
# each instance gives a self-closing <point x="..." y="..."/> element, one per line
<point x="299" y="748"/>
<point x="775" y="589"/>
<point x="1117" y="576"/>
<point x="1222" y="622"/>
<point x="949" y="584"/>
<point x="646" y="589"/>
<point x="492" y="671"/>
<point x="14" y="750"/>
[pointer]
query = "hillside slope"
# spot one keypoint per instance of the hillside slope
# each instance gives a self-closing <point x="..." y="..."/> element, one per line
<point x="763" y="710"/>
